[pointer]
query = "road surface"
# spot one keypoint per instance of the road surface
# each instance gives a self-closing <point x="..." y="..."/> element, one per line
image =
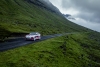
<point x="17" y="42"/>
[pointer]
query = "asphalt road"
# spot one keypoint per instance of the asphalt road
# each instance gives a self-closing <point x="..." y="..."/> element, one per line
<point x="17" y="42"/>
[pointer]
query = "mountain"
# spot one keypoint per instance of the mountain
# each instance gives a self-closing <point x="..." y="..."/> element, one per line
<point x="24" y="16"/>
<point x="68" y="16"/>
<point x="45" y="4"/>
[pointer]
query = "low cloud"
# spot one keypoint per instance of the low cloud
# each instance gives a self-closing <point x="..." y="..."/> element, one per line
<point x="88" y="24"/>
<point x="88" y="11"/>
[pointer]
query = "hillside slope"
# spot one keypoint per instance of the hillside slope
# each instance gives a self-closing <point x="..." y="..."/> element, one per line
<point x="73" y="50"/>
<point x="23" y="16"/>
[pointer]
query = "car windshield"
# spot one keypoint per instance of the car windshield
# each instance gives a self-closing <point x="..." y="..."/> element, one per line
<point x="33" y="33"/>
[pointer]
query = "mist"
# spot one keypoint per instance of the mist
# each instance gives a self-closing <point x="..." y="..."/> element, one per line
<point x="87" y="11"/>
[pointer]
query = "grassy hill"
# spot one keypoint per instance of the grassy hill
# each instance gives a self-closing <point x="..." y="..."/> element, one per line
<point x="74" y="50"/>
<point x="81" y="49"/>
<point x="24" y="16"/>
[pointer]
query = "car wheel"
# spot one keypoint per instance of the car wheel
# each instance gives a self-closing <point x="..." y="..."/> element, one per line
<point x="32" y="38"/>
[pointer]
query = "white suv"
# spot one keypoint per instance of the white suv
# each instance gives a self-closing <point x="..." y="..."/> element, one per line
<point x="33" y="36"/>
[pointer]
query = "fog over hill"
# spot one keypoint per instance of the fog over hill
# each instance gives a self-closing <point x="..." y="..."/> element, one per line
<point x="87" y="12"/>
<point x="82" y="22"/>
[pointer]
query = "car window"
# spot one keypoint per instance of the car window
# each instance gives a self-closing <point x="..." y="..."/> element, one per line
<point x="33" y="34"/>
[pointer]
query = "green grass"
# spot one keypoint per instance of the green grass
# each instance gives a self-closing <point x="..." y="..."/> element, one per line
<point x="75" y="50"/>
<point x="20" y="16"/>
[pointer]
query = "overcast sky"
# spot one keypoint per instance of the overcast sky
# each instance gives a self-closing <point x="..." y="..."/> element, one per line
<point x="87" y="12"/>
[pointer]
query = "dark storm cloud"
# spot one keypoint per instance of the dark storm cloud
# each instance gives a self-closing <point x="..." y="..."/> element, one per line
<point x="88" y="9"/>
